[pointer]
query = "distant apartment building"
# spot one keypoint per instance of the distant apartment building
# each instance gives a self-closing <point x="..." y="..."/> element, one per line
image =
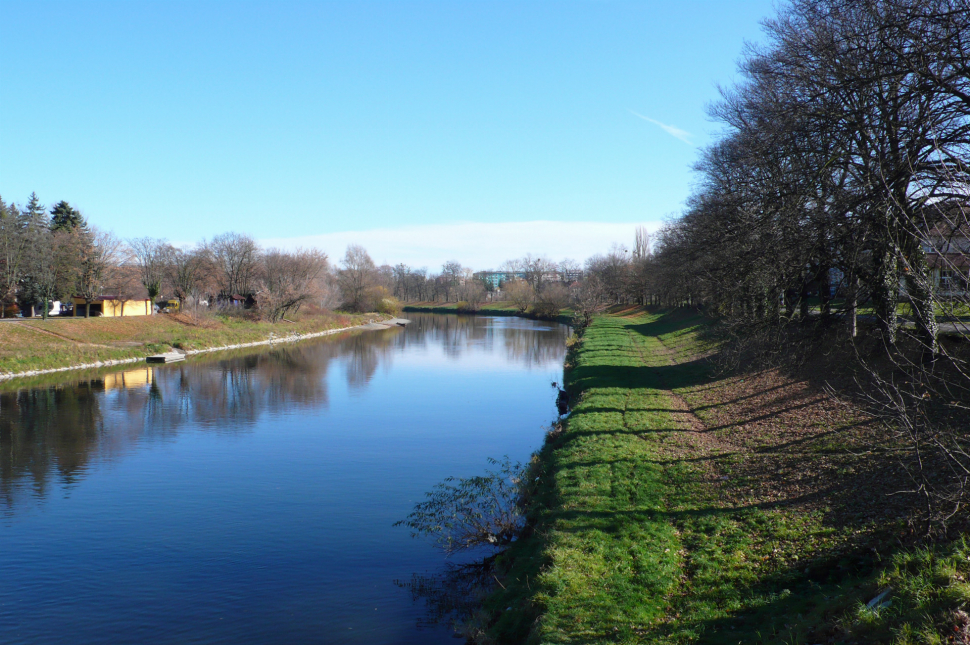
<point x="948" y="257"/>
<point x="498" y="278"/>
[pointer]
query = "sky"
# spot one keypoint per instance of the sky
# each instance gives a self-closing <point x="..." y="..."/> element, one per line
<point x="425" y="131"/>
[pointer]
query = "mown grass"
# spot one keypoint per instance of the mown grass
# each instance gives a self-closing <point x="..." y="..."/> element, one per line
<point x="640" y="533"/>
<point x="34" y="344"/>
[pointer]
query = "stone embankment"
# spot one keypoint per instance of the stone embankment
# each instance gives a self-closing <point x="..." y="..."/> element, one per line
<point x="371" y="325"/>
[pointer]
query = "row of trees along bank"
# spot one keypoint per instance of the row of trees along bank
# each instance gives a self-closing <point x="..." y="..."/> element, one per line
<point x="45" y="257"/>
<point x="50" y="256"/>
<point x="843" y="172"/>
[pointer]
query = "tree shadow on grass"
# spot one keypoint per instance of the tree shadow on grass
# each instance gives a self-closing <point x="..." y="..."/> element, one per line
<point x="660" y="377"/>
<point x="671" y="322"/>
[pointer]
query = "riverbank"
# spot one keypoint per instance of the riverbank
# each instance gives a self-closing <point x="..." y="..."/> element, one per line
<point x="678" y="505"/>
<point x="32" y="346"/>
<point x="565" y="316"/>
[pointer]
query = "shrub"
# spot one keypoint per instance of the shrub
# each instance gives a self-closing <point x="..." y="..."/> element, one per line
<point x="543" y="309"/>
<point x="520" y="293"/>
<point x="462" y="513"/>
<point x="388" y="305"/>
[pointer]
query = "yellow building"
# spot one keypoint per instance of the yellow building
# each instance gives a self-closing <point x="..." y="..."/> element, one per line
<point x="113" y="306"/>
<point x="130" y="379"/>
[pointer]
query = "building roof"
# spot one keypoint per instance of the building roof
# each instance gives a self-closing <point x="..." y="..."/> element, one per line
<point x="107" y="296"/>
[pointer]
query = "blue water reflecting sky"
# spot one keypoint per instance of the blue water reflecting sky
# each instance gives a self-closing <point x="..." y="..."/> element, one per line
<point x="249" y="498"/>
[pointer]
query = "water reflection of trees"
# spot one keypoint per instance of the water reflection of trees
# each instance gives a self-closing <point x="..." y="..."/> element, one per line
<point x="525" y="341"/>
<point x="46" y="431"/>
<point x="453" y="596"/>
<point x="51" y="435"/>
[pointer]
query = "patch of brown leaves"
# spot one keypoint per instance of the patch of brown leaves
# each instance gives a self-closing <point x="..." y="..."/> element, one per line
<point x="777" y="439"/>
<point x="201" y="321"/>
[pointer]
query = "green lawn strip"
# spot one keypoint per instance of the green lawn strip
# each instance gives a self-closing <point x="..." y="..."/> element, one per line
<point x="604" y="558"/>
<point x="775" y="574"/>
<point x="754" y="573"/>
<point x="36" y="344"/>
<point x="634" y="541"/>
<point x="22" y="349"/>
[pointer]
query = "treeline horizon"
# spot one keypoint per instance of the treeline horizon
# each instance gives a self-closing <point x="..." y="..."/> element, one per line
<point x="56" y="255"/>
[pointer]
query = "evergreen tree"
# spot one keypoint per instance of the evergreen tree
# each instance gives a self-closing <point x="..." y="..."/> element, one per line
<point x="34" y="210"/>
<point x="65" y="217"/>
<point x="35" y="232"/>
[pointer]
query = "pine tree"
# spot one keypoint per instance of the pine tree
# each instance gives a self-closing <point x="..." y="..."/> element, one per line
<point x="34" y="210"/>
<point x="65" y="217"/>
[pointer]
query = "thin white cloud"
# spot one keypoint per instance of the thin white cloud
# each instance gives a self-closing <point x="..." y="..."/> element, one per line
<point x="479" y="245"/>
<point x="673" y="131"/>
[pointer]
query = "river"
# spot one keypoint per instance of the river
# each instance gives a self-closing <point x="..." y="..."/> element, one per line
<point x="250" y="497"/>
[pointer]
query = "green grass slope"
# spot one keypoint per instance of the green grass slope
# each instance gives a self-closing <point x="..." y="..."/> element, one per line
<point x="644" y="529"/>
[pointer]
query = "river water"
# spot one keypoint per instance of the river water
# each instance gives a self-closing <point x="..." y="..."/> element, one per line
<point x="250" y="497"/>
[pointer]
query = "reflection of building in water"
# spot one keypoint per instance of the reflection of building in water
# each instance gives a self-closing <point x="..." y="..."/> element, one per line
<point x="141" y="377"/>
<point x="51" y="436"/>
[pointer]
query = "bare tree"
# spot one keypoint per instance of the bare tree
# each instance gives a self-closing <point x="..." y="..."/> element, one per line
<point x="590" y="297"/>
<point x="537" y="270"/>
<point x="124" y="281"/>
<point x="13" y="250"/>
<point x="451" y="277"/>
<point x="553" y="299"/>
<point x="842" y="172"/>
<point x="289" y="280"/>
<point x="520" y="293"/>
<point x="356" y="277"/>
<point x="236" y="260"/>
<point x="641" y="244"/>
<point x="613" y="270"/>
<point x="188" y="272"/>
<point x="99" y="253"/>
<point x="153" y="257"/>
<point x="569" y="271"/>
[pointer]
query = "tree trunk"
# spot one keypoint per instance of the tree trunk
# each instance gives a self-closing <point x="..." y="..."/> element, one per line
<point x="885" y="295"/>
<point x="803" y="299"/>
<point x="824" y="292"/>
<point x="920" y="292"/>
<point x="853" y="302"/>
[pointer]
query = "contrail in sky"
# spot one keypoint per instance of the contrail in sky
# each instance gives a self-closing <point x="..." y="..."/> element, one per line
<point x="683" y="135"/>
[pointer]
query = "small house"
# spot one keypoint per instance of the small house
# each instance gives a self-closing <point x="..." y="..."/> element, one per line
<point x="112" y="306"/>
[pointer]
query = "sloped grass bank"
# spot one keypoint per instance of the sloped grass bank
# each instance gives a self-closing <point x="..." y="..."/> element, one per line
<point x="34" y="344"/>
<point x="659" y="521"/>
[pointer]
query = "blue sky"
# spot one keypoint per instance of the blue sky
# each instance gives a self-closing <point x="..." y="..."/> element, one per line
<point x="383" y="122"/>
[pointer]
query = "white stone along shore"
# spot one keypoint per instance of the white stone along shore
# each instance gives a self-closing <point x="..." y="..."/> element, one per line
<point x="291" y="338"/>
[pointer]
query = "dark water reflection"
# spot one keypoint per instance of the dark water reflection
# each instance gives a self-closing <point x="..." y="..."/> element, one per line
<point x="249" y="497"/>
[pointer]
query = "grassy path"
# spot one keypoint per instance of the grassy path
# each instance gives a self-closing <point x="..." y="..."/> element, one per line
<point x="648" y="527"/>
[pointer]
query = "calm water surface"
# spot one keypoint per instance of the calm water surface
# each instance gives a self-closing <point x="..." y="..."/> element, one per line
<point x="249" y="498"/>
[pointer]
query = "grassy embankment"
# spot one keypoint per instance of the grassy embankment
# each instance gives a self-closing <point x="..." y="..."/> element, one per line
<point x="677" y="506"/>
<point x="34" y="344"/>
